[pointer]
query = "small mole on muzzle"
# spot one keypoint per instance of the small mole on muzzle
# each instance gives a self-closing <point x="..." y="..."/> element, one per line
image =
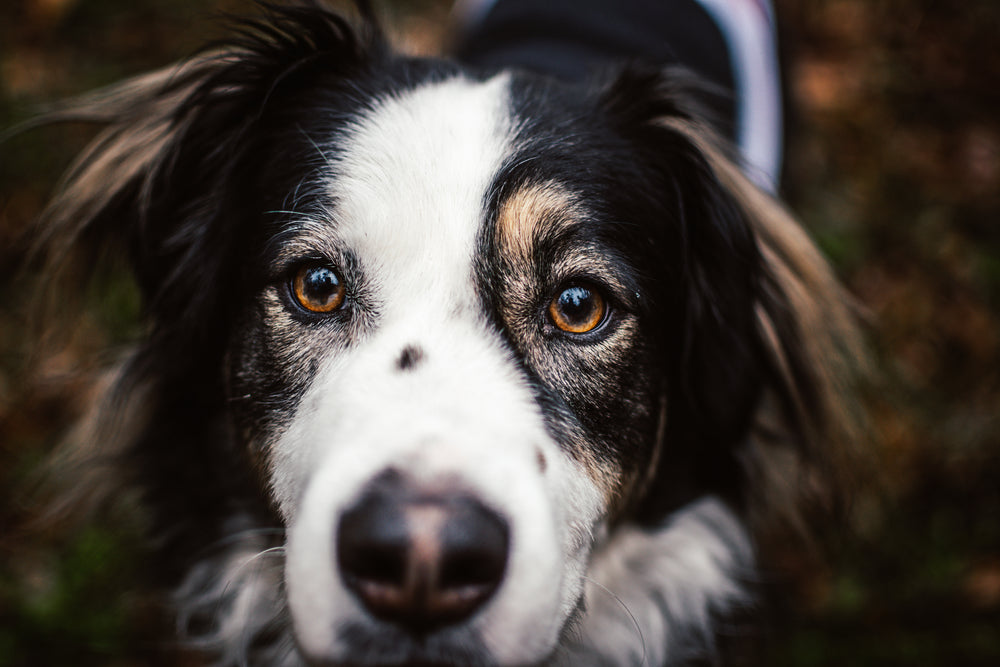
<point x="409" y="358"/>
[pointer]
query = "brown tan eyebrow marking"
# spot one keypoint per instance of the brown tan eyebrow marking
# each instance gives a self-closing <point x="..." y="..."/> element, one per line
<point x="531" y="212"/>
<point x="540" y="212"/>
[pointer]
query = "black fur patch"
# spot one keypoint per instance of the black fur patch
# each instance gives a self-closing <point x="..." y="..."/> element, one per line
<point x="647" y="212"/>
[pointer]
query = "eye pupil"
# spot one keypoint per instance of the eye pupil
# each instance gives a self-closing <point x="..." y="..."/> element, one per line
<point x="577" y="309"/>
<point x="320" y="284"/>
<point x="576" y="303"/>
<point x="318" y="289"/>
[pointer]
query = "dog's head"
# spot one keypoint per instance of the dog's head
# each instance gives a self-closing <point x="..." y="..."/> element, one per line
<point x="464" y="330"/>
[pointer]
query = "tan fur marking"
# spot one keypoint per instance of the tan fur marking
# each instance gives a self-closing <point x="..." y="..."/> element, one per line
<point x="530" y="212"/>
<point x="607" y="477"/>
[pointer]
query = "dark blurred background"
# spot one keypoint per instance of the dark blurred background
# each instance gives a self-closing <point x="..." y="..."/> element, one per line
<point x="894" y="166"/>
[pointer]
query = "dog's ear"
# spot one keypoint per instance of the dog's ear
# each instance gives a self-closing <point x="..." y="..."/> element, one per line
<point x="169" y="188"/>
<point x="158" y="184"/>
<point x="761" y="343"/>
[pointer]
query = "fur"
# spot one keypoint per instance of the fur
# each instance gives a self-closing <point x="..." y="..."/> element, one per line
<point x="632" y="463"/>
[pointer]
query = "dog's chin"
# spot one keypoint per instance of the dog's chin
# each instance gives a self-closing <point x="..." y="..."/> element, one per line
<point x="369" y="642"/>
<point x="365" y="645"/>
<point x="417" y="660"/>
<point x="373" y="643"/>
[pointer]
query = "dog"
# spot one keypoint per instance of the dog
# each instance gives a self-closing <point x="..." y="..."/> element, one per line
<point x="447" y="365"/>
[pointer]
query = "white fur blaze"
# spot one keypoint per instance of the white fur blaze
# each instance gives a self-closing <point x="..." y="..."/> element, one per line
<point x="410" y="191"/>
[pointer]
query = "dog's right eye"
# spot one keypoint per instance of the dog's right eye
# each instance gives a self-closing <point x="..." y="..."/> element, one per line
<point x="318" y="289"/>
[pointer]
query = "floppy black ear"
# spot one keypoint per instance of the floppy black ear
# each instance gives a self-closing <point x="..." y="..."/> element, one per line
<point x="761" y="342"/>
<point x="163" y="182"/>
<point x="170" y="186"/>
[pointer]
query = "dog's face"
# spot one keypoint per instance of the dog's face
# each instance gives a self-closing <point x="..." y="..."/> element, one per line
<point x="476" y="337"/>
<point x="453" y="340"/>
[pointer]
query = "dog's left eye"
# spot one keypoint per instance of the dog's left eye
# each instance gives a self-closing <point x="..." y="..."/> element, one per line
<point x="318" y="289"/>
<point x="578" y="309"/>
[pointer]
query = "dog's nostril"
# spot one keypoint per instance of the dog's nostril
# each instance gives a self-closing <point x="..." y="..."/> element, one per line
<point x="368" y="560"/>
<point x="421" y="562"/>
<point x="474" y="547"/>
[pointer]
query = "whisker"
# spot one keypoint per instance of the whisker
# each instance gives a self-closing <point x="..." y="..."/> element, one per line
<point x="248" y="629"/>
<point x="323" y="155"/>
<point x="266" y="552"/>
<point x="241" y="535"/>
<point x="286" y="212"/>
<point x="642" y="640"/>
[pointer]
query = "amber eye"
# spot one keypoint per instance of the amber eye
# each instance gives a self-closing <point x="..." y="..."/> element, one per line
<point x="318" y="289"/>
<point x="577" y="309"/>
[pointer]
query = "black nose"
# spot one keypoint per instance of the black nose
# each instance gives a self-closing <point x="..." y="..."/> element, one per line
<point x="421" y="559"/>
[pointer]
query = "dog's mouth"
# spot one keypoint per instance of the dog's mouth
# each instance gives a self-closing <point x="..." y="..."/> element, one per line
<point x="394" y="651"/>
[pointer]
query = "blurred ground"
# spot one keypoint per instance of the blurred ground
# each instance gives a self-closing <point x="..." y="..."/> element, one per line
<point x="893" y="164"/>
